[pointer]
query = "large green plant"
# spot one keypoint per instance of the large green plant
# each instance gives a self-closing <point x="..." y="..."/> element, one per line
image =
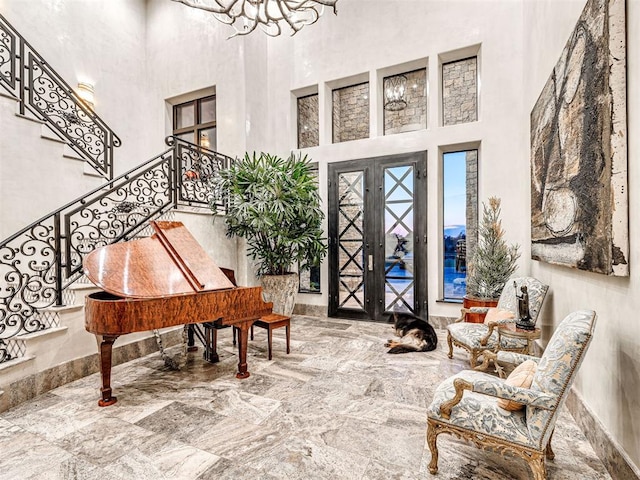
<point x="493" y="261"/>
<point x="274" y="204"/>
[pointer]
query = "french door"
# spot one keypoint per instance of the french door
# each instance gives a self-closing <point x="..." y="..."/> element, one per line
<point x="377" y="236"/>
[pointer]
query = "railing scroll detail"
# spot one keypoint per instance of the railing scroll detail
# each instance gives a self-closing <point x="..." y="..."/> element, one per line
<point x="39" y="262"/>
<point x="29" y="78"/>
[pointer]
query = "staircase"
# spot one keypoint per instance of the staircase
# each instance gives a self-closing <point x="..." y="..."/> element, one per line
<point x="43" y="342"/>
<point x="41" y="262"/>
<point x="43" y="95"/>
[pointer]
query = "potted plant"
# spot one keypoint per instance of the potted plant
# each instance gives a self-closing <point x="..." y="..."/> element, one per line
<point x="274" y="204"/>
<point x="493" y="262"/>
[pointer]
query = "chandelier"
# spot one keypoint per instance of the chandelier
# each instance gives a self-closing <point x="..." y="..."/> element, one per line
<point x="246" y="15"/>
<point x="394" y="93"/>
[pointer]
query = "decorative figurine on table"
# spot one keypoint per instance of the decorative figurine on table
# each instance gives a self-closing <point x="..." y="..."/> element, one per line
<point x="523" y="320"/>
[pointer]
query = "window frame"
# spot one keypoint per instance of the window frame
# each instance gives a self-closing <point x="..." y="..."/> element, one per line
<point x="195" y="127"/>
<point x="457" y="149"/>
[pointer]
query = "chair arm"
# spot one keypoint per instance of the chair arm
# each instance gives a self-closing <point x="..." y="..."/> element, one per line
<point x="499" y="389"/>
<point x="479" y="309"/>
<point x="514" y="358"/>
<point x="492" y="325"/>
<point x="464" y="311"/>
<point x="460" y="385"/>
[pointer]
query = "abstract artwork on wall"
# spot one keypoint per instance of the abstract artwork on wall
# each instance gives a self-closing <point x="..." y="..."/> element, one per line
<point x="579" y="208"/>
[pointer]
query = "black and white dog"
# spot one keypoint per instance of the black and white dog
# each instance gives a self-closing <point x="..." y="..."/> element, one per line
<point x="416" y="334"/>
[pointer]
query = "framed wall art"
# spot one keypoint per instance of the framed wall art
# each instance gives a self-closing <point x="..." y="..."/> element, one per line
<point x="579" y="207"/>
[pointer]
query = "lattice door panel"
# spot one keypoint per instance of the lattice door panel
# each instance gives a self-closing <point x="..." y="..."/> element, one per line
<point x="351" y="240"/>
<point x="377" y="236"/>
<point x="398" y="235"/>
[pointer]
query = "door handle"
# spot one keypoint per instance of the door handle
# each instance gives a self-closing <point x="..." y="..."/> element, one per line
<point x="370" y="263"/>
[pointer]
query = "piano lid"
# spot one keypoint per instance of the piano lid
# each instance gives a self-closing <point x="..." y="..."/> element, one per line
<point x="171" y="262"/>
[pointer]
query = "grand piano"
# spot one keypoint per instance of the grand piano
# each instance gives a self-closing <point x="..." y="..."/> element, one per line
<point x="162" y="281"/>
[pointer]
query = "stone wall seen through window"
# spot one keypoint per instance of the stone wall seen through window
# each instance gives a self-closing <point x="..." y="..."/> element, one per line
<point x="351" y="113"/>
<point x="414" y="116"/>
<point x="460" y="91"/>
<point x="308" y="116"/>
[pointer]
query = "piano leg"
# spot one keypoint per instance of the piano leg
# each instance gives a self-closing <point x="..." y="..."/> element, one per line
<point x="105" y="343"/>
<point x="243" y="332"/>
<point x="210" y="353"/>
<point x="191" y="344"/>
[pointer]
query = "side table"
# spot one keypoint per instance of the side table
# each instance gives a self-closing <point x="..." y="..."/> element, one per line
<point x="511" y="331"/>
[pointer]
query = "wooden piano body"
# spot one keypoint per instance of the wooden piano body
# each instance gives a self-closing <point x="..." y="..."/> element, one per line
<point x="163" y="281"/>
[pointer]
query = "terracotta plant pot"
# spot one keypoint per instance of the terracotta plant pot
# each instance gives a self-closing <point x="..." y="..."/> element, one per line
<point x="468" y="302"/>
<point x="281" y="290"/>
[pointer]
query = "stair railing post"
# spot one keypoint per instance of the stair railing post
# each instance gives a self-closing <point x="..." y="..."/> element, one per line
<point x="57" y="235"/>
<point x="21" y="75"/>
<point x="175" y="168"/>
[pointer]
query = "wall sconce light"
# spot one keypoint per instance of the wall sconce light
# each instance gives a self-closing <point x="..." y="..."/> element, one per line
<point x="85" y="92"/>
<point x="394" y="93"/>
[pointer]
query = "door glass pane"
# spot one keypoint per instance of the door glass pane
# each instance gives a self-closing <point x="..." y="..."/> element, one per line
<point x="207" y="110"/>
<point x="207" y="138"/>
<point x="185" y="115"/>
<point x="398" y="238"/>
<point x="351" y="240"/>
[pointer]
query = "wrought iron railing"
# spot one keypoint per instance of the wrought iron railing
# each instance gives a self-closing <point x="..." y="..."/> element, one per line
<point x="44" y="93"/>
<point x="39" y="262"/>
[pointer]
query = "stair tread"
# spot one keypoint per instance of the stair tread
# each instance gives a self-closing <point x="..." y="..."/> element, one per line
<point x="15" y="362"/>
<point x="43" y="333"/>
<point x="82" y="286"/>
<point x="62" y="308"/>
<point x="49" y="132"/>
<point x="31" y="119"/>
<point x="5" y="94"/>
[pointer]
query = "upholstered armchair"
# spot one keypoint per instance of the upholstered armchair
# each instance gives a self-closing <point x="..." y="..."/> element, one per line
<point x="466" y="405"/>
<point x="478" y="337"/>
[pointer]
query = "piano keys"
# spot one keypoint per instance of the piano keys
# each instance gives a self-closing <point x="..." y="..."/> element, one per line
<point x="162" y="281"/>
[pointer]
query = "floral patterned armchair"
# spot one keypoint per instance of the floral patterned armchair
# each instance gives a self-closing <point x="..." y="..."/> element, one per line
<point x="478" y="337"/>
<point x="475" y="415"/>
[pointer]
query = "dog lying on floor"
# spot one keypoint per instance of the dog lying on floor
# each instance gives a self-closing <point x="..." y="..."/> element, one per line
<point x="417" y="334"/>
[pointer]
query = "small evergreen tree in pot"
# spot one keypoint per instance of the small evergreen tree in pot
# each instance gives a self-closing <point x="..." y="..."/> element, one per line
<point x="493" y="261"/>
<point x="274" y="204"/>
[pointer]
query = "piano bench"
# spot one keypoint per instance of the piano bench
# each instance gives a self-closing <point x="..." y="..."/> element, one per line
<point x="271" y="322"/>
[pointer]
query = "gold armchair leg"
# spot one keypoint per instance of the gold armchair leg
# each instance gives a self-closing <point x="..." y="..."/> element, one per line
<point x="536" y="463"/>
<point x="432" y="436"/>
<point x="487" y="356"/>
<point x="549" y="452"/>
<point x="450" y="342"/>
<point x="473" y="360"/>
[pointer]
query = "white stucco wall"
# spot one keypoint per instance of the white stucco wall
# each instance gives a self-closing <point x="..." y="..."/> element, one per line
<point x="140" y="55"/>
<point x="609" y="379"/>
<point x="101" y="43"/>
<point x="373" y="35"/>
<point x="187" y="51"/>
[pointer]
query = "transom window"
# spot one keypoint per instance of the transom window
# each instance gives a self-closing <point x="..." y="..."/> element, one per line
<point x="195" y="122"/>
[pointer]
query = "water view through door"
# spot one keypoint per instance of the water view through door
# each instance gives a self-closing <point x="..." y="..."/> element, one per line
<point x="377" y="236"/>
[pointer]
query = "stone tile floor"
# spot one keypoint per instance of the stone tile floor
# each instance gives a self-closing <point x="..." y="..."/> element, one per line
<point x="337" y="407"/>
